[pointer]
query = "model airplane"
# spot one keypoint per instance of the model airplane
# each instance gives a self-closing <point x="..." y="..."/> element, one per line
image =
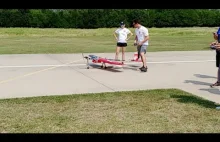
<point x="103" y="61"/>
<point x="136" y="58"/>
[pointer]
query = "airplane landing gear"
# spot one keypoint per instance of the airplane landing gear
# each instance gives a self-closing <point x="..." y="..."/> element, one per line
<point x="103" y="66"/>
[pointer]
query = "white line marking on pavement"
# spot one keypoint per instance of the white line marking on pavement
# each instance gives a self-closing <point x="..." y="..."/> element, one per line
<point x="68" y="65"/>
<point x="36" y="66"/>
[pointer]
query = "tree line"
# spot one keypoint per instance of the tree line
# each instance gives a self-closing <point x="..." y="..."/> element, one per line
<point x="108" y="18"/>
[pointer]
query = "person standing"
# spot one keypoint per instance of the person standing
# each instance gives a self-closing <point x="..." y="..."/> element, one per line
<point x="216" y="45"/>
<point x="121" y="36"/>
<point x="141" y="41"/>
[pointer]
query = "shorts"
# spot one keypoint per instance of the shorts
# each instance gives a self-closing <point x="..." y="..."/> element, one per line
<point x="119" y="44"/>
<point x="142" y="48"/>
<point x="217" y="60"/>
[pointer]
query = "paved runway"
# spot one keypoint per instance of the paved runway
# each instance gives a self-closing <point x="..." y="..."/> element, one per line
<point x="27" y="75"/>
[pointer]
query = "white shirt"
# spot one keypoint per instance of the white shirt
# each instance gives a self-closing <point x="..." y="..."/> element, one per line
<point x="141" y="33"/>
<point x="122" y="34"/>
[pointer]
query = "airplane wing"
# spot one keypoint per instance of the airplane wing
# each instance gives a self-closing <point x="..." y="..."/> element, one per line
<point x="110" y="62"/>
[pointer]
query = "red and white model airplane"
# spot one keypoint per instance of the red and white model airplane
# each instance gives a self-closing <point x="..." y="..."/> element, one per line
<point x="103" y="61"/>
<point x="136" y="58"/>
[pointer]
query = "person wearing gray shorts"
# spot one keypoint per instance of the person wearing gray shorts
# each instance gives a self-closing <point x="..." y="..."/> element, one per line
<point x="142" y="48"/>
<point x="141" y="41"/>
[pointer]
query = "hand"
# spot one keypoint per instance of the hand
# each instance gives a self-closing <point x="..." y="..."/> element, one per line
<point x="140" y="43"/>
<point x="217" y="47"/>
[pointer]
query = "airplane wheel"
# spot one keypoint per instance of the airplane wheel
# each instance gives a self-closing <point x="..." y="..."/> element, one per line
<point x="87" y="67"/>
<point x="105" y="67"/>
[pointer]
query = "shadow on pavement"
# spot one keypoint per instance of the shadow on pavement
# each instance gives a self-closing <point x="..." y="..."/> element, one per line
<point x="132" y="67"/>
<point x="204" y="76"/>
<point x="197" y="82"/>
<point x="212" y="90"/>
<point x="109" y="68"/>
<point x="194" y="100"/>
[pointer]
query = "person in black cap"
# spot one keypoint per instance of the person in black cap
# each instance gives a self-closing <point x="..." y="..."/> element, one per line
<point x="121" y="36"/>
<point x="141" y="41"/>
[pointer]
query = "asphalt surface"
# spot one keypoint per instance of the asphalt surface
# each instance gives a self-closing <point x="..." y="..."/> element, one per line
<point x="28" y="75"/>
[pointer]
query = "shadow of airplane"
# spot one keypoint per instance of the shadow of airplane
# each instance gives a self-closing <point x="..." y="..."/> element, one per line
<point x="135" y="66"/>
<point x="132" y="67"/>
<point x="109" y="68"/>
<point x="204" y="76"/>
<point x="212" y="90"/>
<point x="197" y="82"/>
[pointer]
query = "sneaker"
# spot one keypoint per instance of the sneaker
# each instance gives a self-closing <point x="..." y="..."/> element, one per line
<point x="144" y="69"/>
<point x="141" y="67"/>
<point x="215" y="84"/>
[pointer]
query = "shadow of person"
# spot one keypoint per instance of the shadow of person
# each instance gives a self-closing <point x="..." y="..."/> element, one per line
<point x="194" y="100"/>
<point x="197" y="82"/>
<point x="204" y="76"/>
<point x="212" y="90"/>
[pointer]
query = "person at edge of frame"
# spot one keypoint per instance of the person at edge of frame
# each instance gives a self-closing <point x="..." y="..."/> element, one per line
<point x="216" y="46"/>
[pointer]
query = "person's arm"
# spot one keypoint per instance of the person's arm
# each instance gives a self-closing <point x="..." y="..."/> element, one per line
<point x="215" y="36"/>
<point x="135" y="40"/>
<point x="145" y="39"/>
<point x="115" y="34"/>
<point x="217" y="45"/>
<point x="129" y="34"/>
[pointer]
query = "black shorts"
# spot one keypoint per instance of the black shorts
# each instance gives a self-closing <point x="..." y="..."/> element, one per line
<point x="119" y="44"/>
<point x="217" y="59"/>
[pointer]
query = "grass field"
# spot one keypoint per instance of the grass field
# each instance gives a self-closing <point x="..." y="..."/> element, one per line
<point x="152" y="111"/>
<point x="35" y="40"/>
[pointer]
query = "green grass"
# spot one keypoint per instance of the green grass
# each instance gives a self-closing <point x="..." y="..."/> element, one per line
<point x="151" y="111"/>
<point x="35" y="40"/>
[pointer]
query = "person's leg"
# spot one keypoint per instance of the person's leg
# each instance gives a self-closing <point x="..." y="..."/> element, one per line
<point x="217" y="83"/>
<point x="117" y="51"/>
<point x="217" y="65"/>
<point x="138" y="51"/>
<point x="124" y="45"/>
<point x="123" y="53"/>
<point x="143" y="57"/>
<point x="218" y="76"/>
<point x="139" y="55"/>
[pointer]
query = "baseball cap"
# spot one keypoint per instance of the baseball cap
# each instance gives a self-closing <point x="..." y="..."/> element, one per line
<point x="122" y="23"/>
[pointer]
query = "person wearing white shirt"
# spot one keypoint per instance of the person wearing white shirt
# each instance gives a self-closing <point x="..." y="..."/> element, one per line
<point x="141" y="41"/>
<point x="121" y="36"/>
